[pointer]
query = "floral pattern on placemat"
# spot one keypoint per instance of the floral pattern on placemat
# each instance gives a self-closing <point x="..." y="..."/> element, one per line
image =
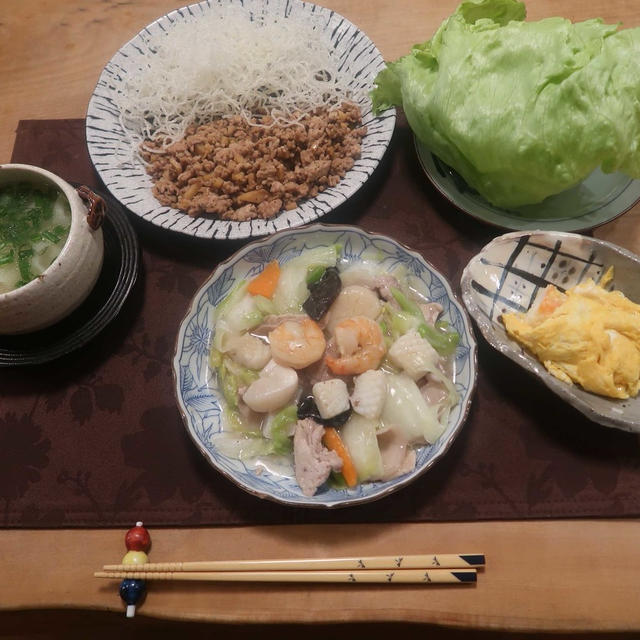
<point x="95" y="438"/>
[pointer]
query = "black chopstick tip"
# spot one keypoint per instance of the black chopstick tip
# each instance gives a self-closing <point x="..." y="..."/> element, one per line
<point x="464" y="576"/>
<point x="475" y="560"/>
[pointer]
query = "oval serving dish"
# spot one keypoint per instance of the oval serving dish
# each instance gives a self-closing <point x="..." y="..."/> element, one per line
<point x="512" y="271"/>
<point x="73" y="273"/>
<point x="197" y="389"/>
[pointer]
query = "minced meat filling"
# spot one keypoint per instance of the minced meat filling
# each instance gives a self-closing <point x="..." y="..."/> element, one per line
<point x="240" y="170"/>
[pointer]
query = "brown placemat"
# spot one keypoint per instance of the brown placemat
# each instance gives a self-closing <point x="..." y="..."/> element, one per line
<point x="95" y="439"/>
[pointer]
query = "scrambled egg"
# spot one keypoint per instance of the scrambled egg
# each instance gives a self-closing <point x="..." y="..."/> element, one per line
<point x="587" y="335"/>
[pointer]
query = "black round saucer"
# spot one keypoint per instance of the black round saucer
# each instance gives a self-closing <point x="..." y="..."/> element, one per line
<point x="116" y="279"/>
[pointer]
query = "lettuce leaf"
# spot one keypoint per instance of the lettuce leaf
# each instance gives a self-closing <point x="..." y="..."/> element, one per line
<point x="522" y="110"/>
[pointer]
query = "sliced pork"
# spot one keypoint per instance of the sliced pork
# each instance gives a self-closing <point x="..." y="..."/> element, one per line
<point x="312" y="461"/>
<point x="431" y="311"/>
<point x="398" y="457"/>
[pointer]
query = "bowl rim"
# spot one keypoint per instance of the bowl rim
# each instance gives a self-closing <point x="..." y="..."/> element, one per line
<point x="409" y="478"/>
<point x="520" y="356"/>
<point x="76" y="223"/>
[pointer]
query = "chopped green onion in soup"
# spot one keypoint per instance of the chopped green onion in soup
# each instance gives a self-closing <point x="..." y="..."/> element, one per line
<point x="34" y="225"/>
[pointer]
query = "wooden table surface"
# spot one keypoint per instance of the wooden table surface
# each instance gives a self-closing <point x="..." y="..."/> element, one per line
<point x="568" y="575"/>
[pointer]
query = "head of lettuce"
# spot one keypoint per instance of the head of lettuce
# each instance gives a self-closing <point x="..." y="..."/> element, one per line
<point x="522" y="110"/>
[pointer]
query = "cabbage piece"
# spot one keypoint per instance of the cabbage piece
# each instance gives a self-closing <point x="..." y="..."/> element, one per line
<point x="359" y="437"/>
<point x="242" y="447"/>
<point x="241" y="441"/>
<point x="441" y="338"/>
<point x="234" y="296"/>
<point x="407" y="412"/>
<point x="414" y="355"/>
<point x="279" y="429"/>
<point x="522" y="110"/>
<point x="233" y="422"/>
<point x="410" y="316"/>
<point x="231" y="376"/>
<point x="264" y="305"/>
<point x="291" y="290"/>
<point x="443" y="408"/>
<point x="396" y="323"/>
<point x="238" y="312"/>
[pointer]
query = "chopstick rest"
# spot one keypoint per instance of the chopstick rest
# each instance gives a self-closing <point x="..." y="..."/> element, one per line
<point x="132" y="589"/>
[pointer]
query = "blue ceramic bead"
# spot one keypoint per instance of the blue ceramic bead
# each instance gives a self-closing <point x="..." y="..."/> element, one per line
<point x="131" y="590"/>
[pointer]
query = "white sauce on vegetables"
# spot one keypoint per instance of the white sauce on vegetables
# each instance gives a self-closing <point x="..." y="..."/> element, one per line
<point x="375" y="352"/>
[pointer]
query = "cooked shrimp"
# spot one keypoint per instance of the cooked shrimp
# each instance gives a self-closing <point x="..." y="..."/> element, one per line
<point x="360" y="344"/>
<point x="297" y="343"/>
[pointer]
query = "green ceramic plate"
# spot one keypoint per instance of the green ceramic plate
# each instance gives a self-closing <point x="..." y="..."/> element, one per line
<point x="596" y="200"/>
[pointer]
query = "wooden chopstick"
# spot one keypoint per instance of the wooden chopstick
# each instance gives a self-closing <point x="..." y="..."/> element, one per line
<point x="424" y="561"/>
<point x="413" y="576"/>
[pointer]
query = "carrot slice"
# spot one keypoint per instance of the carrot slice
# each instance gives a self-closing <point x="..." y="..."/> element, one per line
<point x="551" y="301"/>
<point x="264" y="284"/>
<point x="333" y="441"/>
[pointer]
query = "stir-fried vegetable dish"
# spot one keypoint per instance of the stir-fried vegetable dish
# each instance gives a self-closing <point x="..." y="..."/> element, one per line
<point x="344" y="370"/>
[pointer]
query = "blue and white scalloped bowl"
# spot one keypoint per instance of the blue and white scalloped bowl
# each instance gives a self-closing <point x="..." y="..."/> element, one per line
<point x="197" y="391"/>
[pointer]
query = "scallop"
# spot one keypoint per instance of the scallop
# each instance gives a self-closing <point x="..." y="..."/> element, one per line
<point x="354" y="300"/>
<point x="275" y="388"/>
<point x="249" y="351"/>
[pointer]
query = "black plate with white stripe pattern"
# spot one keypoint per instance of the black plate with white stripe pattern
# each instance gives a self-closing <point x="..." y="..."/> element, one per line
<point x="131" y="185"/>
<point x="116" y="279"/>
